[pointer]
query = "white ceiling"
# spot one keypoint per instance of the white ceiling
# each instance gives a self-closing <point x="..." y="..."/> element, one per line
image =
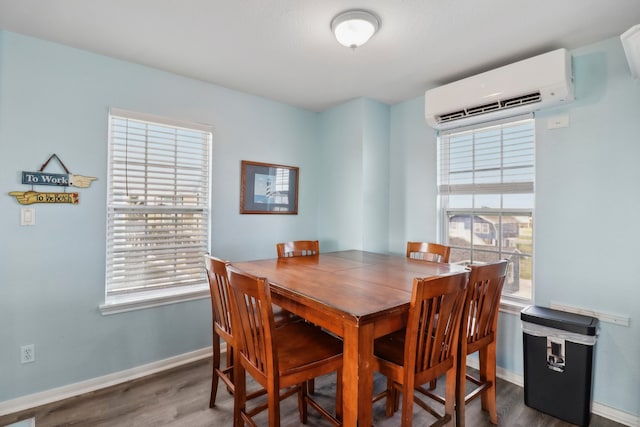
<point x="284" y="49"/>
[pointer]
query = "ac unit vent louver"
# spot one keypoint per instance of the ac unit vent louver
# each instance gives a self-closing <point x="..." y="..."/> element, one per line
<point x="517" y="101"/>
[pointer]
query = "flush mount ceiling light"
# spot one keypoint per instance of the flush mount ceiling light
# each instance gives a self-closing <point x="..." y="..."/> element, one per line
<point x="353" y="28"/>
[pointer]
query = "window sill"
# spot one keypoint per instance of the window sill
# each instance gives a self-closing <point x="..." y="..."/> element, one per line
<point x="150" y="299"/>
<point x="512" y="307"/>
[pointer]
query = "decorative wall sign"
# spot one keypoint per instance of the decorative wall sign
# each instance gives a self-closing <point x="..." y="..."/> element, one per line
<point x="58" y="179"/>
<point x="51" y="179"/>
<point x="30" y="197"/>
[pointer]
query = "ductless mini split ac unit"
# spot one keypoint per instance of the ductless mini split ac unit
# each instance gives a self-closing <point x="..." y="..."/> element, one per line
<point x="542" y="81"/>
<point x="631" y="43"/>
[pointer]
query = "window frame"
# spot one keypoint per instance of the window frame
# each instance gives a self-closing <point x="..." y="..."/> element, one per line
<point x="445" y="190"/>
<point x="186" y="215"/>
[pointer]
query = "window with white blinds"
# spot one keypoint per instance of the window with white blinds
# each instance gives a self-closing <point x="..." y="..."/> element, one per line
<point x="486" y="177"/>
<point x="157" y="204"/>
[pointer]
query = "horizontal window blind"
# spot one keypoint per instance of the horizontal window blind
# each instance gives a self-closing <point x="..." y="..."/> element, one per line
<point x="486" y="189"/>
<point x="491" y="160"/>
<point x="158" y="204"/>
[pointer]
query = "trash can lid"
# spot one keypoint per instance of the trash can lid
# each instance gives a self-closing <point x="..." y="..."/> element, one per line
<point x="558" y="319"/>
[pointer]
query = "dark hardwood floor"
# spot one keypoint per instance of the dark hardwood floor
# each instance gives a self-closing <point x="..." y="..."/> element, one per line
<point x="180" y="397"/>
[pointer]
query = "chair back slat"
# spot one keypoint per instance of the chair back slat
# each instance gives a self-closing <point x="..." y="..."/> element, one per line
<point x="298" y="248"/>
<point x="428" y="251"/>
<point x="425" y="339"/>
<point x="483" y="300"/>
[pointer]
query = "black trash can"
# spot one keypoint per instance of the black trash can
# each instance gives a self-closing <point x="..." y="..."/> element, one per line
<point x="558" y="362"/>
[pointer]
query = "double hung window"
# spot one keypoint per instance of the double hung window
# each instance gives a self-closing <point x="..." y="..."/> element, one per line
<point x="486" y="198"/>
<point x="157" y="209"/>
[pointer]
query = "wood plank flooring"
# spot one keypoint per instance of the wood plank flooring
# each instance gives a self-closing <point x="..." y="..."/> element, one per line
<point x="180" y="397"/>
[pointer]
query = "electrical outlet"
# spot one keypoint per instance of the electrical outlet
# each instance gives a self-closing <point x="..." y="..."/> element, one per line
<point x="27" y="353"/>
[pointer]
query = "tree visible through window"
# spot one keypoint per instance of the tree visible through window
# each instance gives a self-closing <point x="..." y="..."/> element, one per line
<point x="486" y="194"/>
<point x="158" y="204"/>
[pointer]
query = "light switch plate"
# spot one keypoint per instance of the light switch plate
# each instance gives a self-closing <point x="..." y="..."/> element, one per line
<point x="27" y="216"/>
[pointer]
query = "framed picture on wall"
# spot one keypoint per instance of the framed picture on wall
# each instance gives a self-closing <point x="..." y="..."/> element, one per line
<point x="268" y="189"/>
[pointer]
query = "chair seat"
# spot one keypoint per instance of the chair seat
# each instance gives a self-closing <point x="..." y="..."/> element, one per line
<point x="312" y="345"/>
<point x="389" y="350"/>
<point x="391" y="347"/>
<point x="282" y="316"/>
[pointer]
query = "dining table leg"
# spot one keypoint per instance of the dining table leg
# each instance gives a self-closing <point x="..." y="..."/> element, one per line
<point x="357" y="374"/>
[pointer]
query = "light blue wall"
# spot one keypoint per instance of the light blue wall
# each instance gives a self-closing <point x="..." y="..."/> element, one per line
<point x="375" y="160"/>
<point x="353" y="192"/>
<point x="587" y="198"/>
<point x="55" y="100"/>
<point x="340" y="180"/>
<point x="412" y="177"/>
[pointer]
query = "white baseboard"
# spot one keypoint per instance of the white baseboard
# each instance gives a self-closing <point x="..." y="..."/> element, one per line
<point x="64" y="392"/>
<point x="596" y="408"/>
<point x="615" y="415"/>
<point x="59" y="393"/>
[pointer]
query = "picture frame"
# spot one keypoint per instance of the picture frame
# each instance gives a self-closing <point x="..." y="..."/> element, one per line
<point x="268" y="188"/>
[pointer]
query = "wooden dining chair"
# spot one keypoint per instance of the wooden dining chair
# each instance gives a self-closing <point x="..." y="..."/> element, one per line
<point x="294" y="249"/>
<point x="298" y="248"/>
<point x="428" y="251"/>
<point x="425" y="349"/>
<point x="221" y="313"/>
<point x="277" y="358"/>
<point x="478" y="334"/>
<point x="218" y="288"/>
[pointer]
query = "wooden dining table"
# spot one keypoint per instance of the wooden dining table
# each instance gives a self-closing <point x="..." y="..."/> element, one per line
<point x="356" y="295"/>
